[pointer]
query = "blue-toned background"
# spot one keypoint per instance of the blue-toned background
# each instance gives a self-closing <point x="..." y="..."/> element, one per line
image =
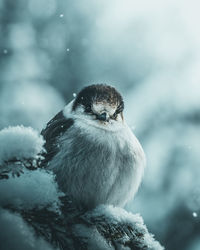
<point x="149" y="50"/>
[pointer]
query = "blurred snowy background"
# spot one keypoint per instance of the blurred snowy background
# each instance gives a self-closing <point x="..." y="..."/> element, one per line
<point x="149" y="50"/>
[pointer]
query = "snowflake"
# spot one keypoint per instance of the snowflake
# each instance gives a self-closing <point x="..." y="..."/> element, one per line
<point x="194" y="214"/>
<point x="5" y="51"/>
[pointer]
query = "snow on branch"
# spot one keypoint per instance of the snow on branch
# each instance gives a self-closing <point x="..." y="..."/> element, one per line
<point x="19" y="143"/>
<point x="41" y="217"/>
<point x="20" y="148"/>
<point x="21" y="152"/>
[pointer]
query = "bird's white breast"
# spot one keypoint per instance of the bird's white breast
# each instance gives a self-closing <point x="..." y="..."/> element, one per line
<point x="99" y="166"/>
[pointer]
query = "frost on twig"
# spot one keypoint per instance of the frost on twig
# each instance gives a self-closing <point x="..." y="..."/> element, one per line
<point x="41" y="217"/>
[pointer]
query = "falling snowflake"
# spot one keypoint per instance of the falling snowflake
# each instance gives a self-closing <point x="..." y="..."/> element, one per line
<point x="5" y="51"/>
<point x="74" y="94"/>
<point x="68" y="49"/>
<point x="61" y="15"/>
<point x="194" y="214"/>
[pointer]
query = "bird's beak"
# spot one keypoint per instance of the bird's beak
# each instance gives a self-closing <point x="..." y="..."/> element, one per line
<point x="103" y="117"/>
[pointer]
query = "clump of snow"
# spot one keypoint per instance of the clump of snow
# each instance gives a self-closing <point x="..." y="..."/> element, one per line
<point x="118" y="216"/>
<point x="115" y="215"/>
<point x="19" y="143"/>
<point x="16" y="234"/>
<point x="31" y="189"/>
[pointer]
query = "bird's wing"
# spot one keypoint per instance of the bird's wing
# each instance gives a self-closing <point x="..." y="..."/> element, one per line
<point x="54" y="129"/>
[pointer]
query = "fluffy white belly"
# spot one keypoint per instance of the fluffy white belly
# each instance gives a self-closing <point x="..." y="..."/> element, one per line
<point x="96" y="166"/>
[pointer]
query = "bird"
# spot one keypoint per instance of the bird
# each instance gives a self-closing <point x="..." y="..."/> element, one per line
<point x="96" y="158"/>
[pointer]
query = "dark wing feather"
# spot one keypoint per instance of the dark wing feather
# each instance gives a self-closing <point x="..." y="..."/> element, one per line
<point x="54" y="129"/>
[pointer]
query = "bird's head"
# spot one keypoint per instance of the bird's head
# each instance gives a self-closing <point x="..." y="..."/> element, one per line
<point x="100" y="102"/>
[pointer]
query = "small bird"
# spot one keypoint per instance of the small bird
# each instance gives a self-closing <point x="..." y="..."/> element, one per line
<point x="94" y="154"/>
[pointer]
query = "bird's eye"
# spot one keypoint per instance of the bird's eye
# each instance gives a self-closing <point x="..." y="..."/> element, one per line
<point x="88" y="109"/>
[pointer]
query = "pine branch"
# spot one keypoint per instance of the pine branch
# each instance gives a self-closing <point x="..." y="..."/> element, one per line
<point x="72" y="228"/>
<point x="15" y="167"/>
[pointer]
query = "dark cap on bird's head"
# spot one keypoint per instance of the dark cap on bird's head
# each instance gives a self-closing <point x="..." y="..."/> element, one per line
<point x="99" y="94"/>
